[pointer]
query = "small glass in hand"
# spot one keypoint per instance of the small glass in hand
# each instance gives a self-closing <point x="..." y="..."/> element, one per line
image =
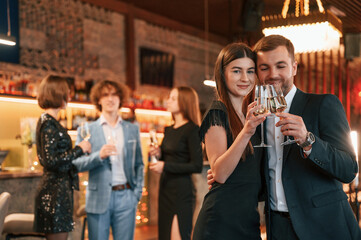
<point x="281" y="105"/>
<point x="261" y="97"/>
<point x="111" y="139"/>
<point x="84" y="131"/>
<point x="153" y="143"/>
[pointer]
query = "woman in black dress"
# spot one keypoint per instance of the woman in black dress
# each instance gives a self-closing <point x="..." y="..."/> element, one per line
<point x="54" y="199"/>
<point x="229" y="210"/>
<point x="180" y="155"/>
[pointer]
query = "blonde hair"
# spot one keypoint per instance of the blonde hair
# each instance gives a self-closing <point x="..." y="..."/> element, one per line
<point x="189" y="104"/>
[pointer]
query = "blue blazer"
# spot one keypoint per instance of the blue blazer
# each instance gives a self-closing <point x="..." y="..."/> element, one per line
<point x="100" y="177"/>
<point x="317" y="204"/>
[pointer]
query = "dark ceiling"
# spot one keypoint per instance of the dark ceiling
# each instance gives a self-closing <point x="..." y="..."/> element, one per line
<point x="237" y="19"/>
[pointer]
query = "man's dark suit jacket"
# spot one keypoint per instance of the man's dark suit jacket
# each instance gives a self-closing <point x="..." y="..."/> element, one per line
<point x="317" y="204"/>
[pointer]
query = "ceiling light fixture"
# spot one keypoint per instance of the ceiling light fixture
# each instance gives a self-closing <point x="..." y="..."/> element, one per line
<point x="308" y="31"/>
<point x="207" y="81"/>
<point x="8" y="39"/>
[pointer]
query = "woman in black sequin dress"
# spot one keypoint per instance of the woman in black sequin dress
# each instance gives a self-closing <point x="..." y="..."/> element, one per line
<point x="180" y="156"/>
<point x="54" y="199"/>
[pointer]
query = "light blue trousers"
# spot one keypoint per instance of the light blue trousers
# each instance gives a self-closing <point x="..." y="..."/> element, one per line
<point x="120" y="216"/>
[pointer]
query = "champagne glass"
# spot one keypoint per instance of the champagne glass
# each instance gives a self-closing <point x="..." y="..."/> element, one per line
<point x="84" y="131"/>
<point x="277" y="101"/>
<point x="281" y="105"/>
<point x="261" y="97"/>
<point x="111" y="139"/>
<point x="153" y="143"/>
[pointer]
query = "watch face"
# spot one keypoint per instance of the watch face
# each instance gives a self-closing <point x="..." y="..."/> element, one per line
<point x="311" y="137"/>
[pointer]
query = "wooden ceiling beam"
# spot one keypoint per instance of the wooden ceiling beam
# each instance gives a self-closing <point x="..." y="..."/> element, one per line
<point x="125" y="8"/>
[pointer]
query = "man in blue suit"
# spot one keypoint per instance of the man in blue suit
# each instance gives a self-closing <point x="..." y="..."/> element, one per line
<point x="304" y="180"/>
<point x="115" y="167"/>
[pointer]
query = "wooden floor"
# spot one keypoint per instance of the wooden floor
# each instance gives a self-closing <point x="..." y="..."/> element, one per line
<point x="151" y="233"/>
<point x="141" y="233"/>
<point x="146" y="232"/>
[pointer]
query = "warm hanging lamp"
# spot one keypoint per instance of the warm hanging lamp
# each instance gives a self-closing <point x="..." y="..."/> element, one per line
<point x="8" y="39"/>
<point x="208" y="81"/>
<point x="308" y="31"/>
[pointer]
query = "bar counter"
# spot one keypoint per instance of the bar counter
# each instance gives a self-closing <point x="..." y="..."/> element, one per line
<point x="6" y="174"/>
<point x="22" y="184"/>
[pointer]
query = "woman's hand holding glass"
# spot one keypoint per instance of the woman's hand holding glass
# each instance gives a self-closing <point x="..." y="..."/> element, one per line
<point x="155" y="165"/>
<point x="85" y="146"/>
<point x="263" y="107"/>
<point x="154" y="151"/>
<point x="254" y="118"/>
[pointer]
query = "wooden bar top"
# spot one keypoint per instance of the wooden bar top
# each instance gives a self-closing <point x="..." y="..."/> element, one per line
<point x="19" y="173"/>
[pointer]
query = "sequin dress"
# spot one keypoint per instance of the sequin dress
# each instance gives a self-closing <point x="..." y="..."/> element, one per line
<point x="54" y="198"/>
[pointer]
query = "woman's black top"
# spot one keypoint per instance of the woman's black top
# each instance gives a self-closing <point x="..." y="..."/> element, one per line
<point x="230" y="210"/>
<point x="182" y="156"/>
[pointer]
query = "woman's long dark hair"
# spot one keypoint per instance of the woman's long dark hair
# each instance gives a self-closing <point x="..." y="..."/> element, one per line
<point x="228" y="54"/>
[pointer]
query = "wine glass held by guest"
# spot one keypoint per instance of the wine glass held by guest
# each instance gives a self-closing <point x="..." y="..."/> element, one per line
<point x="54" y="197"/>
<point x="305" y="198"/>
<point x="281" y="106"/>
<point x="263" y="103"/>
<point x="154" y="150"/>
<point x="228" y="129"/>
<point x="180" y="155"/>
<point x="84" y="130"/>
<point x="115" y="166"/>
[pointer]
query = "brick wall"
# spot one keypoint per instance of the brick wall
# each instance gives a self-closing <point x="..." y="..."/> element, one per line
<point x="73" y="38"/>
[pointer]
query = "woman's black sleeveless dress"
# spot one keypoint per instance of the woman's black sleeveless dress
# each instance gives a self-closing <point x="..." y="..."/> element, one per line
<point x="230" y="210"/>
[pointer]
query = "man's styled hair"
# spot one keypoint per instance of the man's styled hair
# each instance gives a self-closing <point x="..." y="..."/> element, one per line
<point x="96" y="92"/>
<point x="272" y="42"/>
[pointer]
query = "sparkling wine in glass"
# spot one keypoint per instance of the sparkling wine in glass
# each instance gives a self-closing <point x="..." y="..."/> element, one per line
<point x="276" y="99"/>
<point x="281" y="105"/>
<point x="111" y="139"/>
<point x="153" y="143"/>
<point x="261" y="97"/>
<point x="84" y="131"/>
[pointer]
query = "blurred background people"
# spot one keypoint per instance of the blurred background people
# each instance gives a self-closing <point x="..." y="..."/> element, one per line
<point x="54" y="199"/>
<point x="115" y="166"/>
<point x="180" y="155"/>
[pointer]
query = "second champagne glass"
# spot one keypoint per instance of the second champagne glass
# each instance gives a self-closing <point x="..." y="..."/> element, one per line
<point x="281" y="105"/>
<point x="84" y="131"/>
<point x="153" y="143"/>
<point x="111" y="139"/>
<point x="263" y="103"/>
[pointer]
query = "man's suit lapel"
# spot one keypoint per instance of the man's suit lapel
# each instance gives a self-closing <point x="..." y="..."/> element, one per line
<point x="99" y="134"/>
<point x="125" y="138"/>
<point x="297" y="107"/>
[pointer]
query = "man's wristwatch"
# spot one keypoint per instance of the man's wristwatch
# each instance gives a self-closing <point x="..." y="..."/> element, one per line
<point x="310" y="139"/>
